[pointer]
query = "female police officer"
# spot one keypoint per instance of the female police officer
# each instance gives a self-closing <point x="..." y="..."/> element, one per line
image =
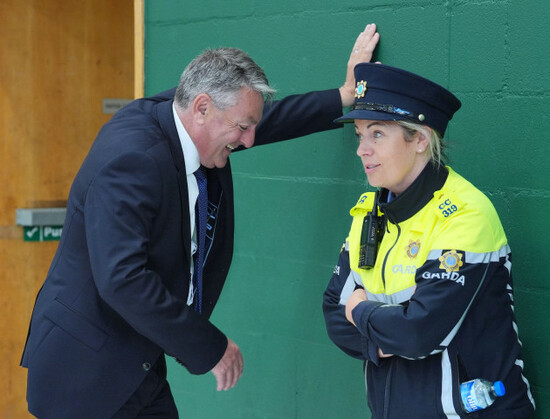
<point x="422" y="291"/>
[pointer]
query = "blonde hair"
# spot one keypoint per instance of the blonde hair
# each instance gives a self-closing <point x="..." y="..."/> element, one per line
<point x="435" y="147"/>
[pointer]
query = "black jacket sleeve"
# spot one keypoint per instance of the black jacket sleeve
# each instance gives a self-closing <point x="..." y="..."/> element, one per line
<point x="429" y="322"/>
<point x="344" y="334"/>
<point x="299" y="115"/>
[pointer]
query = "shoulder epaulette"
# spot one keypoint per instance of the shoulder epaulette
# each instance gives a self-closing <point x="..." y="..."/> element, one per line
<point x="447" y="204"/>
<point x="364" y="204"/>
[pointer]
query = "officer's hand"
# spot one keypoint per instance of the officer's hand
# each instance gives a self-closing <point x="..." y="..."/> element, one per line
<point x="230" y="368"/>
<point x="358" y="296"/>
<point x="361" y="53"/>
<point x="382" y="354"/>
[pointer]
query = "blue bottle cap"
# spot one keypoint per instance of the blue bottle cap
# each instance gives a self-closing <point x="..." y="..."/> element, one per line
<point x="499" y="388"/>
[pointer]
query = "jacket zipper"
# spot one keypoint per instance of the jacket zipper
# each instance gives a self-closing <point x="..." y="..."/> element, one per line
<point x="386" y="412"/>
<point x="388" y="252"/>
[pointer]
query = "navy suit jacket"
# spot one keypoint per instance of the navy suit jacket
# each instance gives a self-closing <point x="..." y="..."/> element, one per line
<point x="115" y="297"/>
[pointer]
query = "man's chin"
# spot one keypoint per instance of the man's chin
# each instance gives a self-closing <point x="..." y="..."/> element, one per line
<point x="221" y="163"/>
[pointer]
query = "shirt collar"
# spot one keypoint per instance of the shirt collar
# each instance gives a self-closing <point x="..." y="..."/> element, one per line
<point x="190" y="152"/>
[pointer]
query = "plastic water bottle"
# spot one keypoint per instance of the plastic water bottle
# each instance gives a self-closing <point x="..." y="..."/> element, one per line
<point x="479" y="393"/>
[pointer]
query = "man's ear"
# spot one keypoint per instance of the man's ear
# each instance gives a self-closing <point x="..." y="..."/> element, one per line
<point x="202" y="105"/>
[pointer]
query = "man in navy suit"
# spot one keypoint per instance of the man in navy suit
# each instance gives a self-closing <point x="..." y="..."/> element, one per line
<point x="120" y="292"/>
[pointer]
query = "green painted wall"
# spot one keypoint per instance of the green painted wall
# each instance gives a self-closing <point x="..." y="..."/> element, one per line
<point x="292" y="199"/>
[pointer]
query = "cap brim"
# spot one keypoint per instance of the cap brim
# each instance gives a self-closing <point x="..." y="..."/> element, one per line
<point x="371" y="115"/>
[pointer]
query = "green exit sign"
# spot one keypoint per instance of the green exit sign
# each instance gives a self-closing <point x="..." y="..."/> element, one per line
<point x="42" y="233"/>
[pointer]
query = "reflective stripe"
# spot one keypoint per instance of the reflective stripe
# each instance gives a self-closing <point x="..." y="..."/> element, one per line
<point x="396" y="298"/>
<point x="453" y="332"/>
<point x="434" y="254"/>
<point x="477" y="258"/>
<point x="352" y="281"/>
<point x="508" y="264"/>
<point x="495" y="256"/>
<point x="447" y="386"/>
<point x="519" y="363"/>
<point x="357" y="278"/>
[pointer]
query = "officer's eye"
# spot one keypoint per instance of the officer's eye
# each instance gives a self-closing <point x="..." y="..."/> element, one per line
<point x="377" y="134"/>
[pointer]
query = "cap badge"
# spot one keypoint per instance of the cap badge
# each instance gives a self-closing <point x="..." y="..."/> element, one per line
<point x="361" y="89"/>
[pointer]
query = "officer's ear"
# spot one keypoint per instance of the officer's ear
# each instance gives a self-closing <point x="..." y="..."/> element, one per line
<point x="423" y="137"/>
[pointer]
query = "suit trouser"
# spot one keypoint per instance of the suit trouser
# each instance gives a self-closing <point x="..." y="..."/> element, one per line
<point x="152" y="399"/>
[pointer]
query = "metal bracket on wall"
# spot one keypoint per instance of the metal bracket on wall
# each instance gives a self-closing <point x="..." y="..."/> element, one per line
<point x="112" y="106"/>
<point x="40" y="216"/>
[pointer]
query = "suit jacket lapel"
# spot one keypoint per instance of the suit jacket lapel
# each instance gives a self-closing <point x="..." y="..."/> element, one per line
<point x="166" y="121"/>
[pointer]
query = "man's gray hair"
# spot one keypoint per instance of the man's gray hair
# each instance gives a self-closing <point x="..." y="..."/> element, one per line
<point x="221" y="73"/>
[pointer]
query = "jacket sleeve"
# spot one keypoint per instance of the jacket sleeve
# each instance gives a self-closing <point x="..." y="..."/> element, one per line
<point x="344" y="334"/>
<point x="436" y="311"/>
<point x="120" y="207"/>
<point x="299" y="115"/>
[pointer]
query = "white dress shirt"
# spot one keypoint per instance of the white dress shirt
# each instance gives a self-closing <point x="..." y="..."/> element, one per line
<point x="192" y="163"/>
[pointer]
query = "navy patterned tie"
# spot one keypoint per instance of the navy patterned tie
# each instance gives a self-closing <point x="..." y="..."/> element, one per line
<point x="201" y="210"/>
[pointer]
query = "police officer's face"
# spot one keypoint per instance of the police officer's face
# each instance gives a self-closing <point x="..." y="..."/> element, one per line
<point x="230" y="128"/>
<point x="389" y="160"/>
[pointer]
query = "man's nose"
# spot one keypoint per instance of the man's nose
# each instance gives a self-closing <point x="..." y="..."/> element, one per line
<point x="248" y="138"/>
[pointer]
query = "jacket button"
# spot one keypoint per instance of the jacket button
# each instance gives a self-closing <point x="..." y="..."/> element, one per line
<point x="146" y="366"/>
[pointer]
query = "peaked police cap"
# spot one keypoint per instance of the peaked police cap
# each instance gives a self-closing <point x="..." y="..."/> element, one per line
<point x="385" y="93"/>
